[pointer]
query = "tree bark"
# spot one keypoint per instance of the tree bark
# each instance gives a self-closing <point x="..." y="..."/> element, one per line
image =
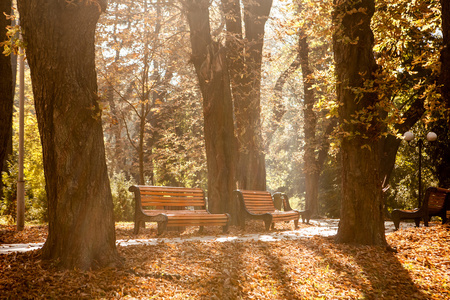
<point x="210" y="63"/>
<point x="60" y="51"/>
<point x="445" y="55"/>
<point x="442" y="152"/>
<point x="362" y="219"/>
<point x="6" y="91"/>
<point x="245" y="57"/>
<point x="311" y="167"/>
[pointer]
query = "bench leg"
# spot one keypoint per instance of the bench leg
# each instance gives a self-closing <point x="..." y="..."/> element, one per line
<point x="162" y="226"/>
<point x="267" y="224"/>
<point x="444" y="217"/>
<point x="396" y="223"/>
<point x="306" y="216"/>
<point x="417" y="221"/>
<point x="296" y="224"/>
<point x="267" y="218"/>
<point x="242" y="222"/>
<point x="273" y="225"/>
<point x="425" y="220"/>
<point x="225" y="228"/>
<point x="200" y="230"/>
<point x="137" y="225"/>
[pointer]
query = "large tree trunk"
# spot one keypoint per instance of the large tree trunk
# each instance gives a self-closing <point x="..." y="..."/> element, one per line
<point x="445" y="54"/>
<point x="60" y="50"/>
<point x="362" y="219"/>
<point x="211" y="66"/>
<point x="6" y="90"/>
<point x="245" y="59"/>
<point x="442" y="152"/>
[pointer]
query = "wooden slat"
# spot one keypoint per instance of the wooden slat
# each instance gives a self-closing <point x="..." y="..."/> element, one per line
<point x="163" y="194"/>
<point x="156" y="196"/>
<point x="167" y="188"/>
<point x="261" y="202"/>
<point x="436" y="201"/>
<point x="168" y="202"/>
<point x="165" y="211"/>
<point x="158" y="200"/>
<point x="258" y="202"/>
<point x="177" y="222"/>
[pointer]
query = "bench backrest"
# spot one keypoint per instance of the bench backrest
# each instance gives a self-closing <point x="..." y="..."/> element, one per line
<point x="164" y="197"/>
<point x="436" y="199"/>
<point x="257" y="202"/>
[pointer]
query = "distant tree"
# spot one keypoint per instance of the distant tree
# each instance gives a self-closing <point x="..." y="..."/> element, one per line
<point x="150" y="97"/>
<point x="244" y="41"/>
<point x="314" y="59"/>
<point x="6" y="89"/>
<point x="362" y="219"/>
<point x="210" y="62"/>
<point x="60" y="50"/>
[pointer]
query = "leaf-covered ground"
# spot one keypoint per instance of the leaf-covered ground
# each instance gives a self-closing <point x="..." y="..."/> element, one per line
<point x="309" y="268"/>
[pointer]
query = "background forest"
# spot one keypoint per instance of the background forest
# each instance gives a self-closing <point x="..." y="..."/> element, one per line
<point x="152" y="103"/>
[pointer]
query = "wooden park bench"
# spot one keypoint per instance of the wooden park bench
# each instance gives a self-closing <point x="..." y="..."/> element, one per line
<point x="259" y="205"/>
<point x="173" y="206"/>
<point x="434" y="204"/>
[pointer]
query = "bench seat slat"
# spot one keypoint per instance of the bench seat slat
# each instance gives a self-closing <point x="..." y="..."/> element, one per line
<point x="172" y="203"/>
<point x="259" y="205"/>
<point x="162" y="198"/>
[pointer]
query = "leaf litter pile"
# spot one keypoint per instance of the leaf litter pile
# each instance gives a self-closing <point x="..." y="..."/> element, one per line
<point x="306" y="268"/>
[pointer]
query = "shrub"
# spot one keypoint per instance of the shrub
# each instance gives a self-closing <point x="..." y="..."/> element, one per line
<point x="122" y="198"/>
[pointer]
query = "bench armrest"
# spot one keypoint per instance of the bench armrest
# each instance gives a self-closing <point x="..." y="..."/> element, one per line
<point x="284" y="200"/>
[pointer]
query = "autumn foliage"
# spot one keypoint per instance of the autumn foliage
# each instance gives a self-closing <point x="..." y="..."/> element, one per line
<point x="307" y="268"/>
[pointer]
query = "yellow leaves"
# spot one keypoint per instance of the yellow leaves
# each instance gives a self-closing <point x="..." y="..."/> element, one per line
<point x="353" y="11"/>
<point x="290" y="31"/>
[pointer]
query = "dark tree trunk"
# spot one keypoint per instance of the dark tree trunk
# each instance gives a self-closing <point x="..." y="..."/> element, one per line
<point x="210" y="64"/>
<point x="389" y="145"/>
<point x="60" y="51"/>
<point x="445" y="54"/>
<point x="442" y="152"/>
<point x="245" y="58"/>
<point x="6" y="91"/>
<point x="362" y="219"/>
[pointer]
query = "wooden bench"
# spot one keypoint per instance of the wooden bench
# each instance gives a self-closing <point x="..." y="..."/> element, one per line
<point x="259" y="205"/>
<point x="306" y="215"/>
<point x="173" y="206"/>
<point x="434" y="204"/>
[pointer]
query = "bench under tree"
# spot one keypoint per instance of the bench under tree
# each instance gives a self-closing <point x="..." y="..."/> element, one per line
<point x="259" y="205"/>
<point x="173" y="206"/>
<point x="435" y="203"/>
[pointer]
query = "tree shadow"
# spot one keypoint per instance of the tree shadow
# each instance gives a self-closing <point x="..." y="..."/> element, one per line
<point x="374" y="271"/>
<point x="291" y="269"/>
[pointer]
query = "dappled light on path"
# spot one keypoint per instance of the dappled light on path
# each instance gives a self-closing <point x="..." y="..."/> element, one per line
<point x="274" y="266"/>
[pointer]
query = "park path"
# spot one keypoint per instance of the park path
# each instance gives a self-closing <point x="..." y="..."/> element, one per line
<point x="321" y="227"/>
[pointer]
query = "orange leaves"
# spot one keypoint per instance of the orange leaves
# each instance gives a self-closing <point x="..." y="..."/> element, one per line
<point x="290" y="269"/>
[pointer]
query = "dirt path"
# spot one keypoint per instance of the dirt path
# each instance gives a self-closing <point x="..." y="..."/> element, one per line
<point x="325" y="227"/>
